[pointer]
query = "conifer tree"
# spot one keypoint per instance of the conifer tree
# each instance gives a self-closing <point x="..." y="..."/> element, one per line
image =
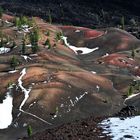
<point x="23" y="47"/>
<point x="14" y="62"/>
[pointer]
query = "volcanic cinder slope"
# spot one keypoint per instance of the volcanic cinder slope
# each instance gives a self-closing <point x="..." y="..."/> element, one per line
<point x="85" y="73"/>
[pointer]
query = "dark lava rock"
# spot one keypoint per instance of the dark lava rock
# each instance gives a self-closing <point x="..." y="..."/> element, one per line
<point x="79" y="130"/>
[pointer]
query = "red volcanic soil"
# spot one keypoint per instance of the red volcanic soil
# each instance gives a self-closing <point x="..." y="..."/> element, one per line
<point x="93" y="34"/>
<point x="120" y="60"/>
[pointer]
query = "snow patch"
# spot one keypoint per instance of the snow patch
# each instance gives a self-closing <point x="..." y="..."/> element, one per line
<point x="131" y="96"/>
<point x="13" y="71"/>
<point x="4" y="50"/>
<point x="119" y="128"/>
<point x="26" y="57"/>
<point x="6" y="110"/>
<point x="26" y="91"/>
<point x="77" y="31"/>
<point x="83" y="50"/>
<point x="93" y="72"/>
<point x="77" y="99"/>
<point x="29" y="45"/>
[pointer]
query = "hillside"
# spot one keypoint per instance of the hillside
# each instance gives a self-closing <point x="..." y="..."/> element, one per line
<point x="64" y="61"/>
<point x="41" y="66"/>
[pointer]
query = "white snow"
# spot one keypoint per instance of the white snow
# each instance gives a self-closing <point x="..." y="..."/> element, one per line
<point x="26" y="57"/>
<point x="6" y="111"/>
<point x="107" y="54"/>
<point x="29" y="45"/>
<point x="25" y="26"/>
<point x="118" y="128"/>
<point x="77" y="99"/>
<point x="98" y="88"/>
<point x="26" y="91"/>
<point x="34" y="55"/>
<point x="7" y="22"/>
<point x="13" y="71"/>
<point x="4" y="50"/>
<point x="93" y="72"/>
<point x="131" y="96"/>
<point x="77" y="31"/>
<point x="84" y="50"/>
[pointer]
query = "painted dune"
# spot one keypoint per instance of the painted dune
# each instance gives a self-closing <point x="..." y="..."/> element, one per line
<point x="83" y="72"/>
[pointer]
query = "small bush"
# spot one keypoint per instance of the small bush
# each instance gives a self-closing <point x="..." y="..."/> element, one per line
<point x="29" y="131"/>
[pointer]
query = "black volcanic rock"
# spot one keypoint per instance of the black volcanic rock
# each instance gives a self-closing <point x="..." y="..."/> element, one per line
<point x="87" y="13"/>
<point x="129" y="5"/>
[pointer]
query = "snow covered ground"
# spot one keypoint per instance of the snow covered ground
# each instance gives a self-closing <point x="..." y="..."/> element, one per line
<point x="26" y="92"/>
<point x="6" y="111"/>
<point x="4" y="50"/>
<point x="122" y="129"/>
<point x="83" y="50"/>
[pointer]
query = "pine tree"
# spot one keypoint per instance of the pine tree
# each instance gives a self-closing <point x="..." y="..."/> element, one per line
<point x="130" y="91"/>
<point x="133" y="53"/>
<point x="18" y="22"/>
<point x="14" y="62"/>
<point x="34" y="37"/>
<point x="24" y="20"/>
<point x="50" y="17"/>
<point x="35" y="48"/>
<point x="23" y="47"/>
<point x="29" y="131"/>
<point x="58" y="36"/>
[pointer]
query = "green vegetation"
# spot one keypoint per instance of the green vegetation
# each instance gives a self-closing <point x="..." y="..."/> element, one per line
<point x="23" y="49"/>
<point x="56" y="110"/>
<point x="133" y="53"/>
<point x="35" y="48"/>
<point x="17" y="22"/>
<point x="58" y="36"/>
<point x="29" y="131"/>
<point x="47" y="33"/>
<point x="23" y="20"/>
<point x="130" y="91"/>
<point x="50" y="17"/>
<point x="133" y="88"/>
<point x="10" y="84"/>
<point x="47" y="43"/>
<point x="14" y="62"/>
<point x="34" y="38"/>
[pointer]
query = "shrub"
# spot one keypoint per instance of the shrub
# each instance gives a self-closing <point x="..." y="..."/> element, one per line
<point x="50" y="17"/>
<point x="23" y="49"/>
<point x="14" y="62"/>
<point x="35" y="48"/>
<point x="133" y="53"/>
<point x="58" y="36"/>
<point x="29" y="131"/>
